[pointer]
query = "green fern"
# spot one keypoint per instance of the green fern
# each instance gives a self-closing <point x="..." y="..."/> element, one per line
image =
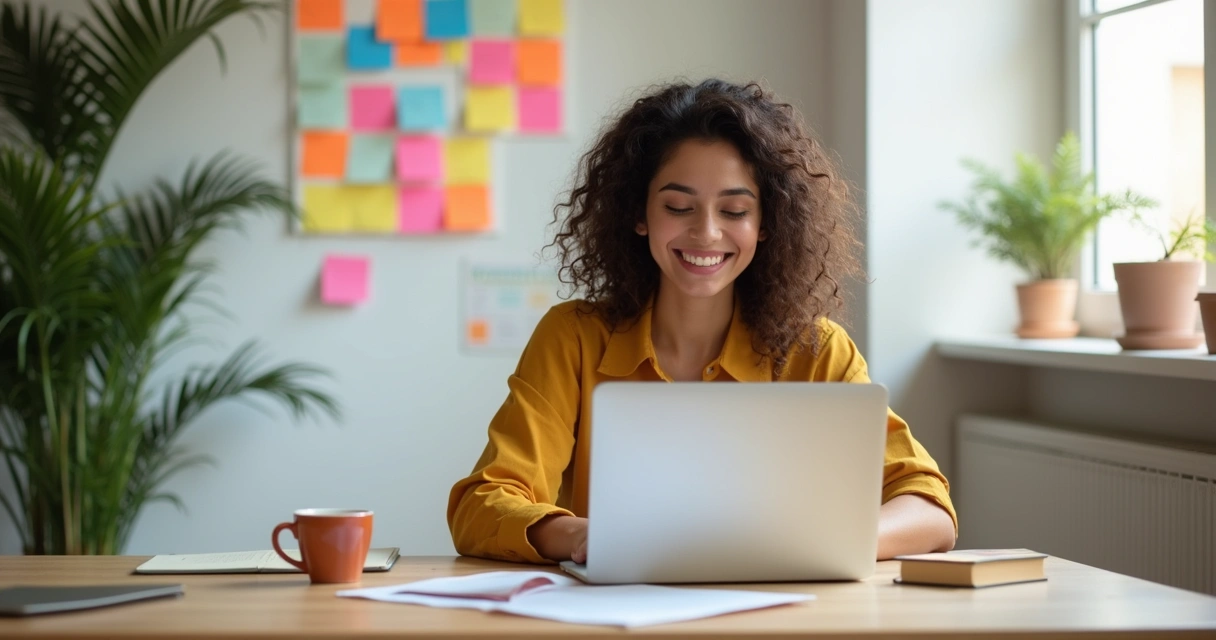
<point x="1040" y="219"/>
<point x="93" y="293"/>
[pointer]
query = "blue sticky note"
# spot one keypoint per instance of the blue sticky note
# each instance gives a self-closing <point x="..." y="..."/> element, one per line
<point x="322" y="106"/>
<point x="320" y="59"/>
<point x="447" y="19"/>
<point x="363" y="51"/>
<point x="370" y="159"/>
<point x="421" y="108"/>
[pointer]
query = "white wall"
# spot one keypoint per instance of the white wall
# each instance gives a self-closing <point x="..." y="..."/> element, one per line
<point x="416" y="409"/>
<point x="947" y="79"/>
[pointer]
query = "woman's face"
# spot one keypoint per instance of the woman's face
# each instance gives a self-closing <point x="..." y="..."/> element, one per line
<point x="702" y="218"/>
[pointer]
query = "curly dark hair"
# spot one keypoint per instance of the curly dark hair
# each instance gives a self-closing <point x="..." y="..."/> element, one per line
<point x="808" y="211"/>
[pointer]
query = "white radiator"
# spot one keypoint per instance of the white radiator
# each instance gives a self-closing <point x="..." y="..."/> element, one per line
<point x="1136" y="508"/>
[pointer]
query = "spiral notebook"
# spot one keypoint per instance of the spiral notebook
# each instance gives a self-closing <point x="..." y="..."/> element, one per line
<point x="381" y="559"/>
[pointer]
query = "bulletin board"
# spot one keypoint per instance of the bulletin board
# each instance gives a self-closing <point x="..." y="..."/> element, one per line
<point x="397" y="105"/>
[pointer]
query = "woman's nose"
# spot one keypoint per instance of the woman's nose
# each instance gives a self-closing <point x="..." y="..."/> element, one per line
<point x="704" y="227"/>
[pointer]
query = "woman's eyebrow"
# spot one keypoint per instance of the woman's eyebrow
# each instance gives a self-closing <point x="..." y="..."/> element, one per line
<point x="737" y="191"/>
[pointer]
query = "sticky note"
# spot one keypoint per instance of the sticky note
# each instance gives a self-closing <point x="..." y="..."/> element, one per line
<point x="541" y="18"/>
<point x="446" y="19"/>
<point x="326" y="209"/>
<point x="492" y="17"/>
<point x="466" y="208"/>
<point x="419" y="54"/>
<point x="489" y="109"/>
<point x="370" y="159"/>
<point x="479" y="332"/>
<point x="492" y="62"/>
<point x="540" y="62"/>
<point x="373" y="208"/>
<point x="322" y="107"/>
<point x="540" y="110"/>
<point x="344" y="279"/>
<point x="421" y="209"/>
<point x="421" y="108"/>
<point x="318" y="14"/>
<point x="364" y="52"/>
<point x="371" y="108"/>
<point x="324" y="154"/>
<point x="419" y="159"/>
<point x="399" y="20"/>
<point x="320" y="59"/>
<point x="456" y="52"/>
<point x="467" y="161"/>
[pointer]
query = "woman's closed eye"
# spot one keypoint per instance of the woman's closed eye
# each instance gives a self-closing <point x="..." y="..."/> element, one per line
<point x="733" y="214"/>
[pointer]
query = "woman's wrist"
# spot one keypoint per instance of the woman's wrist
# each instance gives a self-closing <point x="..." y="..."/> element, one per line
<point x="550" y="536"/>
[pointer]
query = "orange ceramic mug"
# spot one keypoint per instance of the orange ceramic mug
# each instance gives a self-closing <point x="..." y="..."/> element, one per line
<point x="333" y="543"/>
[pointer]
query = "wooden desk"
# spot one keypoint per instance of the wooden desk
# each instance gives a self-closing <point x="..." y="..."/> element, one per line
<point x="1076" y="602"/>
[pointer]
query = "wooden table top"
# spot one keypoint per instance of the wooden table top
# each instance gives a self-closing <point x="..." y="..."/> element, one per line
<point x="1076" y="601"/>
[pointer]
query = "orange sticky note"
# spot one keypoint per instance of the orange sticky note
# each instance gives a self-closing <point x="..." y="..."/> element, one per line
<point x="324" y="154"/>
<point x="540" y="62"/>
<point x="420" y="54"/>
<point x="318" y="14"/>
<point x="399" y="20"/>
<point x="467" y="208"/>
<point x="478" y="332"/>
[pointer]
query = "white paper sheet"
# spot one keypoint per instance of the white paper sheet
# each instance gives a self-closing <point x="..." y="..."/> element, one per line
<point x="540" y="594"/>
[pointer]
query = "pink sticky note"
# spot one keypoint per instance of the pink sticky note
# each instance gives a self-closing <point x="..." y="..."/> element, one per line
<point x="344" y="280"/>
<point x="540" y="109"/>
<point x="492" y="62"/>
<point x="421" y="210"/>
<point x="420" y="159"/>
<point x="371" y="108"/>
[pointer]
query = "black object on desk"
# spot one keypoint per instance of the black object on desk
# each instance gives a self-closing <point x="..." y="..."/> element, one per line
<point x="30" y="600"/>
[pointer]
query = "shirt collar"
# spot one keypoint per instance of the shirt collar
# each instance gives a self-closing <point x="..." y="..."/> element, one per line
<point x="630" y="346"/>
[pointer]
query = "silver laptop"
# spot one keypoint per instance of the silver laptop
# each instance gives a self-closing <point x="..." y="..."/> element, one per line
<point x="696" y="482"/>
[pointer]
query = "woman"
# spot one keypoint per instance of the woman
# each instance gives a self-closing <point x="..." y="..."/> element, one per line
<point x="708" y="234"/>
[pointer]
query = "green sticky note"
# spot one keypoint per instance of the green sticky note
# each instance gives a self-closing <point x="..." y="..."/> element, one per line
<point x="492" y="17"/>
<point x="322" y="107"/>
<point x="370" y="159"/>
<point x="320" y="59"/>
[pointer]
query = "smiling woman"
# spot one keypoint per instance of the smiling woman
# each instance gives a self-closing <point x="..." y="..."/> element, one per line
<point x="708" y="234"/>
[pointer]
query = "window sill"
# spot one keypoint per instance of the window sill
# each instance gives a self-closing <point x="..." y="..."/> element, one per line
<point x="1086" y="354"/>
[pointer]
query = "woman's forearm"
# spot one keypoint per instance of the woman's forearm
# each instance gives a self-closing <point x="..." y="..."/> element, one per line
<point x="911" y="524"/>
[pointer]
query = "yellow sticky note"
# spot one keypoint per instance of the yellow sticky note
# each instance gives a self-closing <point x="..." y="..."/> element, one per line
<point x="489" y="109"/>
<point x="326" y="209"/>
<point x="541" y="17"/>
<point x="373" y="208"/>
<point x="456" y="51"/>
<point x="467" y="161"/>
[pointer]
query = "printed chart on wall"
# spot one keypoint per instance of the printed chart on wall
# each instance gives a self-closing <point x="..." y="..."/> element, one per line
<point x="397" y="104"/>
<point x="503" y="301"/>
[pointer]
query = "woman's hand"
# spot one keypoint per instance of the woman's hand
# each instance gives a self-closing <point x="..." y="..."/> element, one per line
<point x="909" y="523"/>
<point x="558" y="537"/>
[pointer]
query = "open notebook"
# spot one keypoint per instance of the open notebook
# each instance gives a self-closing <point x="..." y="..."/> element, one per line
<point x="381" y="559"/>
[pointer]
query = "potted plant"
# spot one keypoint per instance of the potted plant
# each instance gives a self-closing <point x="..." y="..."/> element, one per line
<point x="1038" y="221"/>
<point x="93" y="290"/>
<point x="1157" y="299"/>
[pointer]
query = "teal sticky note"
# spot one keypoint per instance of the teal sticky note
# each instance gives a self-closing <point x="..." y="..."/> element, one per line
<point x="446" y="19"/>
<point x="319" y="60"/>
<point x="370" y="158"/>
<point x="364" y="51"/>
<point x="322" y="106"/>
<point x="492" y="17"/>
<point x="421" y="108"/>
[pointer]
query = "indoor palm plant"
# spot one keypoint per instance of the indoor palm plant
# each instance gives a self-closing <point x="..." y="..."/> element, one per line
<point x="94" y="290"/>
<point x="1038" y="222"/>
<point x="1157" y="298"/>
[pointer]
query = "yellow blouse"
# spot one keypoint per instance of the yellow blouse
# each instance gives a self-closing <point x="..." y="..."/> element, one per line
<point x="536" y="463"/>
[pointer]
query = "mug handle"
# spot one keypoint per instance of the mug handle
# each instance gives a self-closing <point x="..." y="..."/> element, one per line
<point x="274" y="538"/>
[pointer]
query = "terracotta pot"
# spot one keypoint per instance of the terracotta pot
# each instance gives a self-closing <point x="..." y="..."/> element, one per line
<point x="1207" y="308"/>
<point x="1047" y="308"/>
<point x="1158" y="304"/>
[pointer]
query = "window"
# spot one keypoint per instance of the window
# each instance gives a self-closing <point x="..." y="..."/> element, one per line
<point x="1142" y="119"/>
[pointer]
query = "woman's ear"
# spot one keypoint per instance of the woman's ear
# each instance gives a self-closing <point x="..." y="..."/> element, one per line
<point x="762" y="236"/>
<point x="641" y="229"/>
